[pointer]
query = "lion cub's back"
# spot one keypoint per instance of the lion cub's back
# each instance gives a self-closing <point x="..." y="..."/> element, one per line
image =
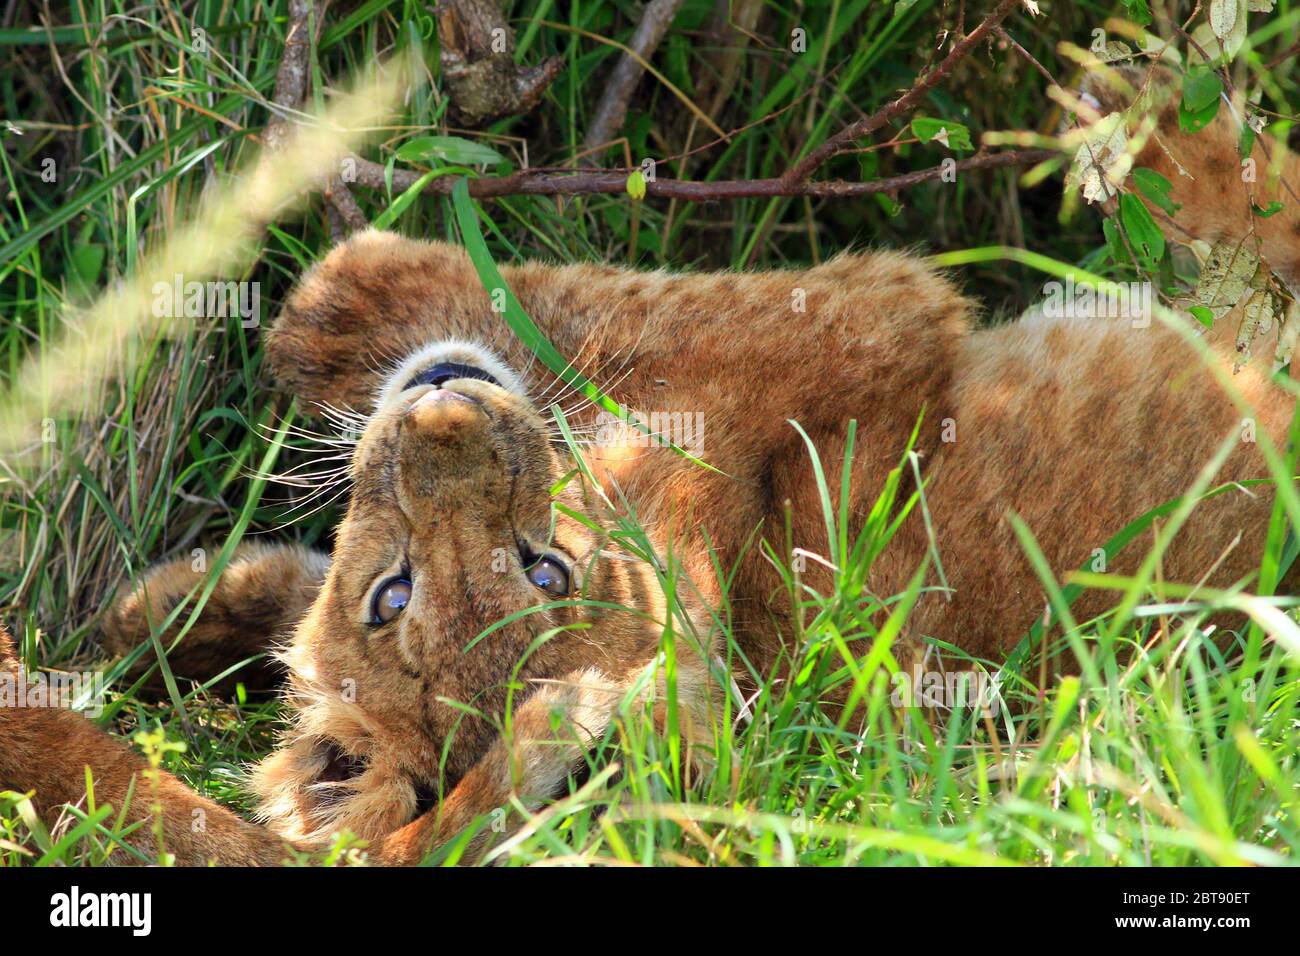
<point x="1080" y="426"/>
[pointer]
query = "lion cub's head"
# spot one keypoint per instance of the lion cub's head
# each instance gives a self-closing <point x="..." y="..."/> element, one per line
<point x="435" y="614"/>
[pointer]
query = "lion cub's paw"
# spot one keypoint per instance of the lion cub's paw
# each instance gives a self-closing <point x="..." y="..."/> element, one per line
<point x="263" y="592"/>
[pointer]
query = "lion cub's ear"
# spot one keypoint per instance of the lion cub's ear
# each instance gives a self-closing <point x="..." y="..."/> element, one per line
<point x="371" y="302"/>
<point x="1220" y="180"/>
<point x="263" y="592"/>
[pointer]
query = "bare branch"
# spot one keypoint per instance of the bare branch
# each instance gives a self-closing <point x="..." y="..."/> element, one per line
<point x="542" y="183"/>
<point x="289" y="95"/>
<point x="291" y="77"/>
<point x="1008" y="39"/>
<point x="341" y="198"/>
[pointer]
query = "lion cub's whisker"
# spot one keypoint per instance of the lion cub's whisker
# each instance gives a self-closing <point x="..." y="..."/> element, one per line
<point x="291" y="518"/>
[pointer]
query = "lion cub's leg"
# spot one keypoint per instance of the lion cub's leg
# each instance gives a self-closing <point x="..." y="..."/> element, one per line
<point x="46" y="750"/>
<point x="263" y="592"/>
<point x="551" y="734"/>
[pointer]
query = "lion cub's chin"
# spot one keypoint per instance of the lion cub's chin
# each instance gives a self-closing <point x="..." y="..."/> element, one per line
<point x="449" y="353"/>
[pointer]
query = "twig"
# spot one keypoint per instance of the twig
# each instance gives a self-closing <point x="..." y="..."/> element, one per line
<point x="1282" y="57"/>
<point x="339" y="230"/>
<point x="291" y="77"/>
<point x="341" y="198"/>
<point x="1010" y="41"/>
<point x="612" y="108"/>
<point x="289" y="95"/>
<point x="533" y="183"/>
<point x="727" y="137"/>
<point x="801" y="170"/>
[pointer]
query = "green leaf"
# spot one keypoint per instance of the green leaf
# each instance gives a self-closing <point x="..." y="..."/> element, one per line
<point x="1272" y="209"/>
<point x="1115" y="244"/>
<point x="1143" y="233"/>
<point x="388" y="175"/>
<point x="1201" y="88"/>
<point x="1138" y="11"/>
<point x="636" y="185"/>
<point x="1203" y="314"/>
<point x="1246" y="141"/>
<point x="450" y="149"/>
<point x="953" y="135"/>
<point x="1194" y="122"/>
<point x="389" y="215"/>
<point x="1156" y="189"/>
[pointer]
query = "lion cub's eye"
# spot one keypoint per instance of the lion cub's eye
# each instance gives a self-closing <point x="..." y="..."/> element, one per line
<point x="549" y="575"/>
<point x="390" y="599"/>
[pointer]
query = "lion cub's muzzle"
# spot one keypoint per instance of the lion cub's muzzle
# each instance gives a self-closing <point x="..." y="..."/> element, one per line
<point x="447" y="446"/>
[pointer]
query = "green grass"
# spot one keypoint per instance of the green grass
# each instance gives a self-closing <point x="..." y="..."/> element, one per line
<point x="1164" y="752"/>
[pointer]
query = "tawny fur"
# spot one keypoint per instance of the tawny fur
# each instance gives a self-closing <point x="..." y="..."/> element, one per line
<point x="1078" y="426"/>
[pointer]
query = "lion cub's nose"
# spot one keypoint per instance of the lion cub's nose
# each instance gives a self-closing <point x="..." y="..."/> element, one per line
<point x="443" y="414"/>
<point x="445" y="442"/>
